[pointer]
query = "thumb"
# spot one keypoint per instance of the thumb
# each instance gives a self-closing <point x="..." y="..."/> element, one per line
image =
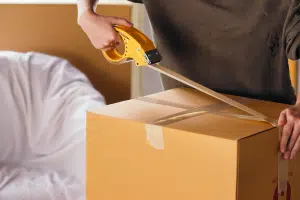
<point x="282" y="118"/>
<point x="119" y="21"/>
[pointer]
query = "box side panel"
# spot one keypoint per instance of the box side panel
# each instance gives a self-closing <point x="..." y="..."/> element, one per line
<point x="257" y="166"/>
<point x="122" y="165"/>
<point x="294" y="178"/>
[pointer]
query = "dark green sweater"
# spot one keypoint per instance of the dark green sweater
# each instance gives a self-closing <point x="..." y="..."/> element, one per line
<point x="237" y="47"/>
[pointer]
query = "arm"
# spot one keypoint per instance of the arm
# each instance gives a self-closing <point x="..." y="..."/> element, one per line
<point x="289" y="119"/>
<point x="99" y="28"/>
<point x="91" y="5"/>
<point x="298" y="98"/>
<point x="86" y="5"/>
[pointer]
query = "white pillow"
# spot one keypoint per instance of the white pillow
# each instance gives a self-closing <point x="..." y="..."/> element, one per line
<point x="43" y="100"/>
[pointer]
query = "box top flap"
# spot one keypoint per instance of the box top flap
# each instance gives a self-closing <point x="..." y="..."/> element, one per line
<point x="189" y="110"/>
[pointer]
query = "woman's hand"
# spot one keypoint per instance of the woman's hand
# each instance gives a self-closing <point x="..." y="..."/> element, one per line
<point x="290" y="141"/>
<point x="100" y="29"/>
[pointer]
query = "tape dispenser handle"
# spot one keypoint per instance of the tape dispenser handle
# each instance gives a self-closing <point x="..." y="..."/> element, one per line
<point x="136" y="45"/>
<point x="112" y="55"/>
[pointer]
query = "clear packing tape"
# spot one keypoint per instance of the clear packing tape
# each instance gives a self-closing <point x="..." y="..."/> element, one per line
<point x="155" y="134"/>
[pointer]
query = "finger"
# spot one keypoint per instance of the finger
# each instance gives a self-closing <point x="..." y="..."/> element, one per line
<point x="108" y="47"/>
<point x="294" y="136"/>
<point x="295" y="148"/>
<point x="120" y="21"/>
<point x="118" y="39"/>
<point x="113" y="43"/>
<point x="287" y="155"/>
<point x="115" y="39"/>
<point x="282" y="118"/>
<point x="286" y="132"/>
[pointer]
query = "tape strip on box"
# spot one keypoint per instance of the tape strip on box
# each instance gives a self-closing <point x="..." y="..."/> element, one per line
<point x="155" y="136"/>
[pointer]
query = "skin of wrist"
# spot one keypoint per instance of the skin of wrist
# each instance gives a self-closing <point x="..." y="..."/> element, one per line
<point x="86" y="14"/>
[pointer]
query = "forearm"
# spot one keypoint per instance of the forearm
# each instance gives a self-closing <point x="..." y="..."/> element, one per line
<point x="84" y="5"/>
<point x="298" y="98"/>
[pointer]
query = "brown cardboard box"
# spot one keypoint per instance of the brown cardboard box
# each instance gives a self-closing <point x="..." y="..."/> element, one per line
<point x="192" y="156"/>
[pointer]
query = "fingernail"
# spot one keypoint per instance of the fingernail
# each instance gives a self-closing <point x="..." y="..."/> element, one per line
<point x="286" y="156"/>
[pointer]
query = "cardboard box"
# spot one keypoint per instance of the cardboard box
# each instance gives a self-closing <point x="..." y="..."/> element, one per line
<point x="196" y="151"/>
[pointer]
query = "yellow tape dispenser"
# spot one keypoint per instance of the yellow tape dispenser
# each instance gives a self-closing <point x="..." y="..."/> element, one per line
<point x="138" y="47"/>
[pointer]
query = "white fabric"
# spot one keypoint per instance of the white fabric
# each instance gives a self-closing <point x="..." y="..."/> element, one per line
<point x="42" y="127"/>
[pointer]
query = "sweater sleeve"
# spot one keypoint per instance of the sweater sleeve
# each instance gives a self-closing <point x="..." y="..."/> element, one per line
<point x="292" y="39"/>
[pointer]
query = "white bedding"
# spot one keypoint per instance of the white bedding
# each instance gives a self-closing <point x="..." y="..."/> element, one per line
<point x="42" y="127"/>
